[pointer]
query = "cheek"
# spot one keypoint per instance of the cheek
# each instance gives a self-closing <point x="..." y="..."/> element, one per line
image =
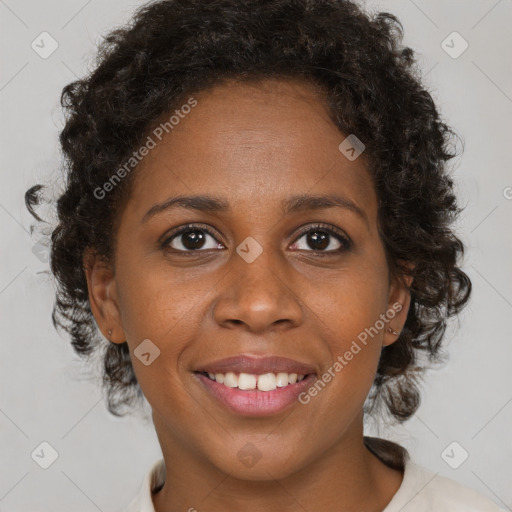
<point x="350" y="303"/>
<point x="349" y="310"/>
<point x="155" y="307"/>
<point x="154" y="303"/>
<point x="152" y="308"/>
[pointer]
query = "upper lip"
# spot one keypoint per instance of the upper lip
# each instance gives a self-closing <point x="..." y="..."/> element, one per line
<point x="257" y="365"/>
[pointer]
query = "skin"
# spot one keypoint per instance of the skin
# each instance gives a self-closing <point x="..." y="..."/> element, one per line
<point x="254" y="145"/>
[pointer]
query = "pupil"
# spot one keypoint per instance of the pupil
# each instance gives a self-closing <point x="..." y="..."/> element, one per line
<point x="318" y="240"/>
<point x="193" y="239"/>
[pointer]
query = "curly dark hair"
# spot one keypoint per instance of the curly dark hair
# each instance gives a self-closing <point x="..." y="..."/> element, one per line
<point x="373" y="88"/>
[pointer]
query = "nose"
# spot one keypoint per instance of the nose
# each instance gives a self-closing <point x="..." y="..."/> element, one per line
<point x="258" y="296"/>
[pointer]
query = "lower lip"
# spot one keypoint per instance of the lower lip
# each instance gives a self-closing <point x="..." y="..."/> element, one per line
<point x="253" y="402"/>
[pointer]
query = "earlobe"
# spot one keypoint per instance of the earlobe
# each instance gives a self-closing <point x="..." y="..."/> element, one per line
<point x="398" y="308"/>
<point x="393" y="332"/>
<point x="101" y="286"/>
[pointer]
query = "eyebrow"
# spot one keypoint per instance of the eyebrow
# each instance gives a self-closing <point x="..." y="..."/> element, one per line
<point x="299" y="203"/>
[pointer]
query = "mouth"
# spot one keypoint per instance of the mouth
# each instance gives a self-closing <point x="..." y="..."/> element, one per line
<point x="256" y="386"/>
<point x="246" y="381"/>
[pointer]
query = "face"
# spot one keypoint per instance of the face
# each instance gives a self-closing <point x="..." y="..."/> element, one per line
<point x="266" y="272"/>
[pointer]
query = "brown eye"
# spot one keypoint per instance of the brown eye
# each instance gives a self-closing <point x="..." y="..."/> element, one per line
<point x="318" y="240"/>
<point x="322" y="239"/>
<point x="190" y="239"/>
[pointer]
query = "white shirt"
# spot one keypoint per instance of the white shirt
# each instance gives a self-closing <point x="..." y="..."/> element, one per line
<point x="420" y="491"/>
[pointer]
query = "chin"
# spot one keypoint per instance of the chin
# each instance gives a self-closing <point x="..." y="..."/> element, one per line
<point x="254" y="465"/>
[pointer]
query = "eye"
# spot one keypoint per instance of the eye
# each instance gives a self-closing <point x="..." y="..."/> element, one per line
<point x="192" y="238"/>
<point x="322" y="238"/>
<point x="196" y="238"/>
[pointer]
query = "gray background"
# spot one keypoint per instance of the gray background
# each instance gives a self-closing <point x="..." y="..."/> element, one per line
<point x="49" y="395"/>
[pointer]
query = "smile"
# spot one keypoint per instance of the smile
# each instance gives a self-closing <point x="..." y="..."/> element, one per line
<point x="256" y="386"/>
<point x="265" y="382"/>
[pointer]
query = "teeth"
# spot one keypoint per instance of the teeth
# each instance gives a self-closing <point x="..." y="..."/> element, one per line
<point x="267" y="382"/>
<point x="246" y="381"/>
<point x="230" y="380"/>
<point x="264" y="382"/>
<point x="282" y="380"/>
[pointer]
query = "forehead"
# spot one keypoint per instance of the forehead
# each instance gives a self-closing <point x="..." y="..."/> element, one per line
<point x="255" y="144"/>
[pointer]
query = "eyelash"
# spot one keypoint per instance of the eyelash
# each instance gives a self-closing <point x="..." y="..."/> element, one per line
<point x="345" y="242"/>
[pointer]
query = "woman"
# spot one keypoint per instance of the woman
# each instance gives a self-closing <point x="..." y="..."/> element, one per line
<point x="257" y="218"/>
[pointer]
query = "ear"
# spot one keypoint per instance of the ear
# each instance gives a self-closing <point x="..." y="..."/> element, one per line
<point x="399" y="301"/>
<point x="101" y="285"/>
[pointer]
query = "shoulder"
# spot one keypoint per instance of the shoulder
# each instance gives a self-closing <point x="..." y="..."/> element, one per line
<point x="424" y="491"/>
<point x="153" y="480"/>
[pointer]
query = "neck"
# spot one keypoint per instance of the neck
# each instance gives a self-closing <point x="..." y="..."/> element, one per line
<point x="347" y="474"/>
